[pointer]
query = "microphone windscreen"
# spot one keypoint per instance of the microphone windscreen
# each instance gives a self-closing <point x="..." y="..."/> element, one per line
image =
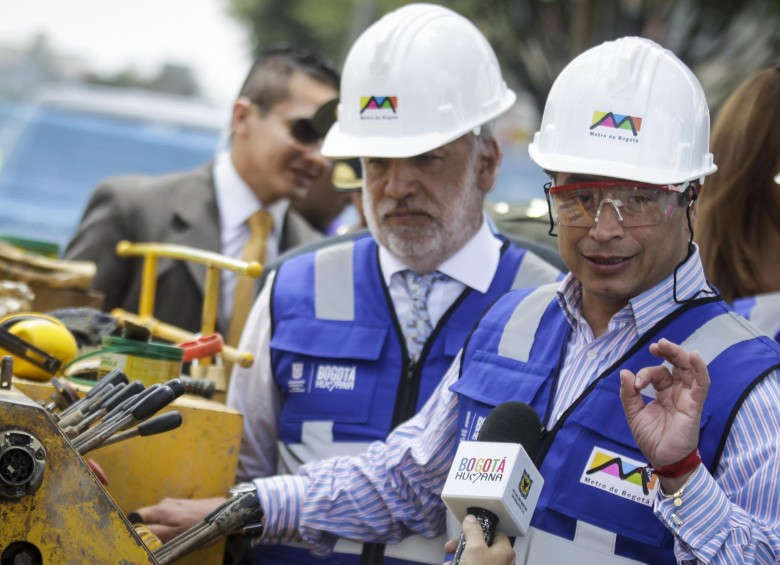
<point x="513" y="422"/>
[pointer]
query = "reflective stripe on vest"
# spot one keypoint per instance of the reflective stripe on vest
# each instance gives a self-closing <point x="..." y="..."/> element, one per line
<point x="534" y="271"/>
<point x="712" y="339"/>
<point x="763" y="311"/>
<point x="519" y="333"/>
<point x="334" y="289"/>
<point x="717" y="335"/>
<point x="591" y="546"/>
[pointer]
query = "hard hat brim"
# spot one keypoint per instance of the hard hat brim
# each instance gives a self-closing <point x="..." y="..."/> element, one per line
<point x="625" y="171"/>
<point x="339" y="144"/>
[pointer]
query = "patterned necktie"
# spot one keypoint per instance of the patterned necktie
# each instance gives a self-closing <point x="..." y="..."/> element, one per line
<point x="418" y="326"/>
<point x="260" y="225"/>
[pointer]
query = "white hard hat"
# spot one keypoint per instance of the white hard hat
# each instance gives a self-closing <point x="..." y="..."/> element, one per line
<point x="628" y="109"/>
<point x="418" y="78"/>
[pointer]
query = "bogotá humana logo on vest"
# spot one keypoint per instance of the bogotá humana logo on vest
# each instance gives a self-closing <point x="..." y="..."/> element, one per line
<point x="378" y="107"/>
<point x="620" y="476"/>
<point x="335" y="377"/>
<point x="621" y="127"/>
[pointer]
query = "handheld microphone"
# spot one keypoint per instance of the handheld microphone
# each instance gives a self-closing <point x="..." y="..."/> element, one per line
<point x="494" y="478"/>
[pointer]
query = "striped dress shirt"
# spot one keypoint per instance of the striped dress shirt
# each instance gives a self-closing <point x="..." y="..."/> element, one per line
<point x="394" y="488"/>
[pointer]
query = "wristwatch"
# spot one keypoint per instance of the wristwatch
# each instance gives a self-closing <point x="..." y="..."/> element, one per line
<point x="241" y="488"/>
<point x="254" y="528"/>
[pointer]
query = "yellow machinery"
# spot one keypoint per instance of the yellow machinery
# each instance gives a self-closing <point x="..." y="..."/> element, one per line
<point x="53" y="506"/>
<point x="53" y="509"/>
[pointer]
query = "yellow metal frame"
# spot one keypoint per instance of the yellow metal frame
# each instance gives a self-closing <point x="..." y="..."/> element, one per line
<point x="214" y="262"/>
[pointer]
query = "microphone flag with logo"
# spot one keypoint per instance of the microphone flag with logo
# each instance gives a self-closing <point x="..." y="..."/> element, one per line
<point x="494" y="478"/>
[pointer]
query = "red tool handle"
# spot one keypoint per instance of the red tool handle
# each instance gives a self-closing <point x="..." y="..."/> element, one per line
<point x="202" y="346"/>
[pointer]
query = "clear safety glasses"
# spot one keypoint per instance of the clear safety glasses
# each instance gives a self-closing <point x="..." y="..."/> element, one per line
<point x="636" y="204"/>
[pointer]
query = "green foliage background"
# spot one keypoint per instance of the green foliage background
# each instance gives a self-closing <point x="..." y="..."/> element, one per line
<point x="721" y="40"/>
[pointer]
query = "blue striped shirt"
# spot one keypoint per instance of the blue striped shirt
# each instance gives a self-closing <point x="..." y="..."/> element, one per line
<point x="394" y="489"/>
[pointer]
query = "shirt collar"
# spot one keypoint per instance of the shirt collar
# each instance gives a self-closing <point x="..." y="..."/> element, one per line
<point x="650" y="307"/>
<point x="235" y="199"/>
<point x="474" y="264"/>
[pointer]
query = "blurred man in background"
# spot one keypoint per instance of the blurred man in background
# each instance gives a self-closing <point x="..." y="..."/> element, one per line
<point x="274" y="155"/>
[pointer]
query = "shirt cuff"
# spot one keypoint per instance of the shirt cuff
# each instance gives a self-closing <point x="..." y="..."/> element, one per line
<point x="699" y="519"/>
<point x="282" y="499"/>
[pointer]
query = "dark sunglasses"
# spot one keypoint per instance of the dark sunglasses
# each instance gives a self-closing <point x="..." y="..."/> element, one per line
<point x="301" y="129"/>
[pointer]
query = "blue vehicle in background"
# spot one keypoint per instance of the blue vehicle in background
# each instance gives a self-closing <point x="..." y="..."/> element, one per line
<point x="56" y="148"/>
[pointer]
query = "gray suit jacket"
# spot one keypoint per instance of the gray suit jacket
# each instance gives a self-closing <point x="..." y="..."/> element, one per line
<point x="178" y="208"/>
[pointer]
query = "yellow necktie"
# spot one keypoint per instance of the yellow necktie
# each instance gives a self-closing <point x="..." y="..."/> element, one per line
<point x="260" y="225"/>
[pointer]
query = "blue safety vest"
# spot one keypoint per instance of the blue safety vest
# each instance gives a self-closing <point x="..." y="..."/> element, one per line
<point x="589" y="460"/>
<point x="340" y="361"/>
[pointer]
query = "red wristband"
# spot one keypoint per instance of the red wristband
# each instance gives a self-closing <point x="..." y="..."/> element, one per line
<point x="680" y="468"/>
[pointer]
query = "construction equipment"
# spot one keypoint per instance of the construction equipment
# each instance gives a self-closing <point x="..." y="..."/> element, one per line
<point x="51" y="504"/>
<point x="57" y="507"/>
<point x="53" y="507"/>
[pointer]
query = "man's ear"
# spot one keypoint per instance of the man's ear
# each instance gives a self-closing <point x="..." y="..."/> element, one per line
<point x="488" y="162"/>
<point x="694" y="203"/>
<point x="242" y="110"/>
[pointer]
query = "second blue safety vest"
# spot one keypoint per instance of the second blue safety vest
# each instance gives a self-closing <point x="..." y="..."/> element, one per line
<point x="593" y="470"/>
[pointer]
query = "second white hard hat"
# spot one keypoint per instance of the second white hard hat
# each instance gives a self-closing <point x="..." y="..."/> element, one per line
<point x="418" y="78"/>
<point x="628" y="109"/>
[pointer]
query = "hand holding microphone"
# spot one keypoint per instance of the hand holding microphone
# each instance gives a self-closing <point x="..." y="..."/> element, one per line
<point x="475" y="551"/>
<point x="494" y="478"/>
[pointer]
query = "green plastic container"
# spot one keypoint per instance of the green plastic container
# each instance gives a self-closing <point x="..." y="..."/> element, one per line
<point x="145" y="361"/>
